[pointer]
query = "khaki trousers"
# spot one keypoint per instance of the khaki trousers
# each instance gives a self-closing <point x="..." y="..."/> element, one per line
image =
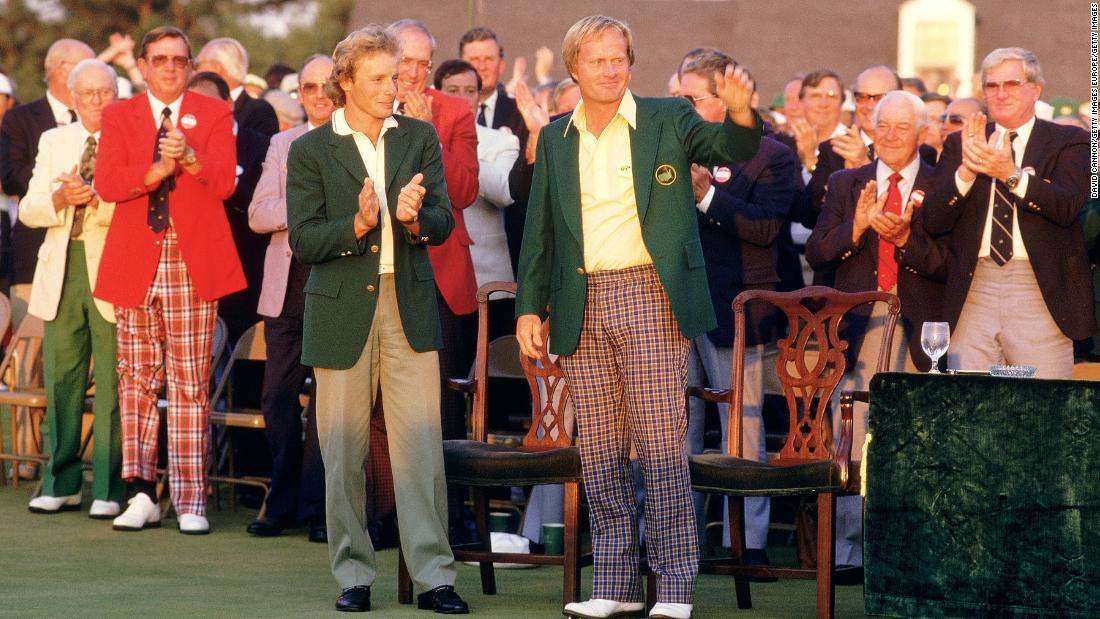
<point x="409" y="384"/>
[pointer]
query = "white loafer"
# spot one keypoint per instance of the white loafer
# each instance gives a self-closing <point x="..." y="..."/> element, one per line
<point x="142" y="513"/>
<point x="190" y="524"/>
<point x="666" y="610"/>
<point x="104" y="510"/>
<point x="54" y="504"/>
<point x="597" y="608"/>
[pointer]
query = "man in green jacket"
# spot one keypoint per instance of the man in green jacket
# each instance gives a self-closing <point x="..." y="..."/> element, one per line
<point x="365" y="197"/>
<point x="611" y="245"/>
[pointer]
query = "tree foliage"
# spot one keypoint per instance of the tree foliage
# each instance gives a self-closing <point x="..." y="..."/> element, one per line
<point x="27" y="34"/>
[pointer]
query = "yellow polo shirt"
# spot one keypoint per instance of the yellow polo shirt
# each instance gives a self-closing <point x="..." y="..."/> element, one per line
<point x="609" y="213"/>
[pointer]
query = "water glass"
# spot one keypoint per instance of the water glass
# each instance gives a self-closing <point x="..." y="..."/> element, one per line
<point x="934" y="339"/>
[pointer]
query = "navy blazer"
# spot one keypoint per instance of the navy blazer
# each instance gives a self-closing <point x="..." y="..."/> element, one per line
<point x="1050" y="223"/>
<point x="921" y="264"/>
<point x="739" y="234"/>
<point x="22" y="127"/>
<point x="255" y="114"/>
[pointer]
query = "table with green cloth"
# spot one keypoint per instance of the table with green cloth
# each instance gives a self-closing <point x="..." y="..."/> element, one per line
<point x="983" y="497"/>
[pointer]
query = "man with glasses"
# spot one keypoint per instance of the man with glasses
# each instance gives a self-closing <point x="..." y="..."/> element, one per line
<point x="455" y="280"/>
<point x="61" y="201"/>
<point x="168" y="160"/>
<point x="936" y="106"/>
<point x="954" y="117"/>
<point x="1010" y="192"/>
<point x="740" y="209"/>
<point x="297" y="473"/>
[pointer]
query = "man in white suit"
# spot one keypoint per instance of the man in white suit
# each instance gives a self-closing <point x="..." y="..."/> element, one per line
<point x="78" y="328"/>
<point x="297" y="475"/>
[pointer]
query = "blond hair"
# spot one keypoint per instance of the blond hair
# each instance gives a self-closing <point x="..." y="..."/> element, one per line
<point x="587" y="28"/>
<point x="366" y="41"/>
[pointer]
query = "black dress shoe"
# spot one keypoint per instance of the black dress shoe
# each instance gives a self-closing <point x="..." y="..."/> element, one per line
<point x="354" y="599"/>
<point x="265" y="527"/>
<point x="443" y="600"/>
<point x="318" y="531"/>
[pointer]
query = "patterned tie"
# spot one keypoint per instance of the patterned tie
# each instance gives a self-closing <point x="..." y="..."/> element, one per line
<point x="1004" y="203"/>
<point x="87" y="172"/>
<point x="887" y="266"/>
<point x="481" y="115"/>
<point x="158" y="198"/>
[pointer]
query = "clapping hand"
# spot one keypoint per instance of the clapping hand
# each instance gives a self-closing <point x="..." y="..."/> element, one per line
<point x="74" y="190"/>
<point x="410" y="199"/>
<point x="868" y="206"/>
<point x="982" y="156"/>
<point x="850" y="146"/>
<point x="805" y="141"/>
<point x="418" y="106"/>
<point x="366" y="218"/>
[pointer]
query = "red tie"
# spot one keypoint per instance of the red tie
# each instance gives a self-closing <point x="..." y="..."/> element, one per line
<point x="887" y="267"/>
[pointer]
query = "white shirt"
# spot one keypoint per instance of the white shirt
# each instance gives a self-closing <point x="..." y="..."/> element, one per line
<point x="235" y="93"/>
<point x="60" y="110"/>
<point x="1023" y="133"/>
<point x="374" y="160"/>
<point x="158" y="106"/>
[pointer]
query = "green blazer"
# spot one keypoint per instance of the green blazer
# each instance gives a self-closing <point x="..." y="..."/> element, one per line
<point x="551" y="264"/>
<point x="325" y="174"/>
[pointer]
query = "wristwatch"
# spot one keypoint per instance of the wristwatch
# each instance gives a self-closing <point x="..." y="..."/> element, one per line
<point x="189" y="159"/>
<point x="1014" y="179"/>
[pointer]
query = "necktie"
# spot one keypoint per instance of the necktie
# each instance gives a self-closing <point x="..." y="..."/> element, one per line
<point x="157" y="217"/>
<point x="87" y="172"/>
<point x="871" y="152"/>
<point x="1004" y="202"/>
<point x="481" y="115"/>
<point x="72" y="116"/>
<point x="887" y="266"/>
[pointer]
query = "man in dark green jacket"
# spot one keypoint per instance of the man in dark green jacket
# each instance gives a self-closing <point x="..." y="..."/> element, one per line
<point x="365" y="197"/>
<point x="611" y="245"/>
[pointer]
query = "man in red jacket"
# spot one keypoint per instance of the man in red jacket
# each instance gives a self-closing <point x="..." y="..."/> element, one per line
<point x="168" y="160"/>
<point x="456" y="286"/>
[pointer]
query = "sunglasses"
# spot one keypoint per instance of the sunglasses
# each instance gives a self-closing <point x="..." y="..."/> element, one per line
<point x="160" y="60"/>
<point x="863" y="97"/>
<point x="312" y="88"/>
<point x="1007" y="85"/>
<point x="951" y="119"/>
<point x="696" y="100"/>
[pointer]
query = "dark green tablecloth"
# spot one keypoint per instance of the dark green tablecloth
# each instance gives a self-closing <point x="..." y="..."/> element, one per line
<point x="983" y="497"/>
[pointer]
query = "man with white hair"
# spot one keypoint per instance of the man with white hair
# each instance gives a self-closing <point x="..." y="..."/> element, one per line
<point x="870" y="231"/>
<point x="61" y="201"/>
<point x="228" y="58"/>
<point x="1010" y="192"/>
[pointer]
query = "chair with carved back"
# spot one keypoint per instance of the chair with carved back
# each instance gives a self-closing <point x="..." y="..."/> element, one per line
<point x="23" y="391"/>
<point x="809" y="366"/>
<point x="547" y="455"/>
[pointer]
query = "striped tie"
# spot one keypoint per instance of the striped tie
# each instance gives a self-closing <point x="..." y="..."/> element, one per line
<point x="1004" y="203"/>
<point x="87" y="172"/>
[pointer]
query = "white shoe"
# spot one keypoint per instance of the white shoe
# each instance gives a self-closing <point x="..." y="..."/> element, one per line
<point x="104" y="510"/>
<point x="603" y="609"/>
<point x="142" y="513"/>
<point x="666" y="610"/>
<point x="54" y="504"/>
<point x="190" y="524"/>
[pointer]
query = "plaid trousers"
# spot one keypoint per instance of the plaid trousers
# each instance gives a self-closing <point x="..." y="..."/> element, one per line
<point x="627" y="378"/>
<point x="171" y="332"/>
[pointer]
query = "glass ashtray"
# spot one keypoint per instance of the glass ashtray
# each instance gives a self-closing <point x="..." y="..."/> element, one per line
<point x="1012" y="371"/>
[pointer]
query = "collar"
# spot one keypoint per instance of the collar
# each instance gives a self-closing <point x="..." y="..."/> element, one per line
<point x="490" y="102"/>
<point x="157" y="105"/>
<point x="235" y="93"/>
<point x="1023" y="132"/>
<point x="628" y="109"/>
<point x="57" y="108"/>
<point x="908" y="173"/>
<point x="340" y="124"/>
<point x="84" y="133"/>
<point x="867" y="139"/>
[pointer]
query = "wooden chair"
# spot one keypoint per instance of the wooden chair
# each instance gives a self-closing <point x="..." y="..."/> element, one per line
<point x="250" y="347"/>
<point x="809" y="366"/>
<point x="1086" y="371"/>
<point x="22" y="390"/>
<point x="546" y="456"/>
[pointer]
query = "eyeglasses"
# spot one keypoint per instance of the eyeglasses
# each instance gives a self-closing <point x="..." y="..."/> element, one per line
<point x="88" y="95"/>
<point x="160" y="60"/>
<point x="1007" y="85"/>
<point x="863" y="97"/>
<point x="311" y="88"/>
<point x="695" y="100"/>
<point x="821" y="95"/>
<point x="406" y="63"/>
<point x="951" y="119"/>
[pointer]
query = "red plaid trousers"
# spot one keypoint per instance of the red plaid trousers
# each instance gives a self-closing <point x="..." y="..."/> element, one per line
<point x="171" y="332"/>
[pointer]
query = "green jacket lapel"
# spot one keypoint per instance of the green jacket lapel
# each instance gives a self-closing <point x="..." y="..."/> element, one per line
<point x="568" y="179"/>
<point x="396" y="150"/>
<point x="346" y="153"/>
<point x="643" y="154"/>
